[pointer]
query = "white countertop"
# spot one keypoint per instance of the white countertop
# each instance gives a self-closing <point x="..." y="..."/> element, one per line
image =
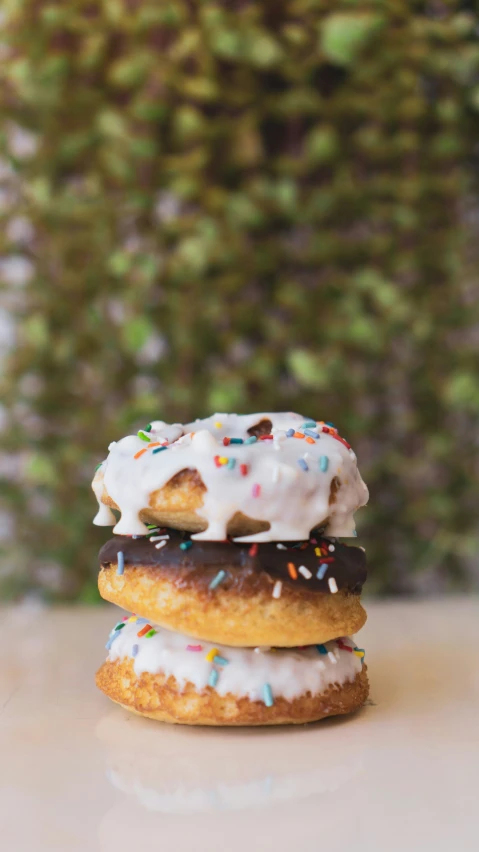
<point x="78" y="774"/>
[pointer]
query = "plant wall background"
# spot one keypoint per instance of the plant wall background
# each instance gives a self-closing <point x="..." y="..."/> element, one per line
<point x="240" y="206"/>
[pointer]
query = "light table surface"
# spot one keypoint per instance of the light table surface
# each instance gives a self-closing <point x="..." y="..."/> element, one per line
<point x="79" y="774"/>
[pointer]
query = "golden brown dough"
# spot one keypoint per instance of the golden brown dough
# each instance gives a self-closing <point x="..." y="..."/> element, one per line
<point x="177" y="505"/>
<point x="158" y="698"/>
<point x="298" y="617"/>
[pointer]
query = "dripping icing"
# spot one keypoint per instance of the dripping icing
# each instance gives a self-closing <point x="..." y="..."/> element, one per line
<point x="290" y="499"/>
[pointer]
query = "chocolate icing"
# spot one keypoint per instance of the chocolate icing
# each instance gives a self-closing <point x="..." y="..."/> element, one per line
<point x="249" y="568"/>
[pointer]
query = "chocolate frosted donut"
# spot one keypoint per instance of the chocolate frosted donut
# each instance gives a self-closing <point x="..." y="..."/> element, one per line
<point x="260" y="594"/>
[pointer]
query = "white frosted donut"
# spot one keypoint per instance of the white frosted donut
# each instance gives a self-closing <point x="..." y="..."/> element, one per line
<point x="290" y="672"/>
<point x="171" y="678"/>
<point x="277" y="469"/>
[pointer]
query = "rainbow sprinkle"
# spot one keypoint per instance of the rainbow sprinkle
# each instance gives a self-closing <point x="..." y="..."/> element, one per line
<point x="186" y="545"/>
<point x="121" y="562"/>
<point x="144" y="630"/>
<point x="292" y="571"/>
<point x="134" y="650"/>
<point x="251" y="440"/>
<point x="159" y="450"/>
<point x="150" y="633"/>
<point x="333" y="586"/>
<point x="144" y="435"/>
<point x="305" y="572"/>
<point x="111" y="639"/>
<point x="290" y="433"/>
<point x="220" y="661"/>
<point x="322" y="571"/>
<point x="277" y="589"/>
<point x="256" y="490"/>
<point x="322" y="649"/>
<point x="311" y="433"/>
<point x="309" y="424"/>
<point x="268" y="695"/>
<point x="211" y="655"/>
<point x="140" y="453"/>
<point x="323" y="464"/>
<point x="218" y="579"/>
<point x="303" y="464"/>
<point x="194" y="647"/>
<point x="213" y="678"/>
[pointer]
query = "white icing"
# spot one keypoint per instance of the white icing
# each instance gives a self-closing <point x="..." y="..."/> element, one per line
<point x="276" y="489"/>
<point x="290" y="672"/>
<point x="104" y="517"/>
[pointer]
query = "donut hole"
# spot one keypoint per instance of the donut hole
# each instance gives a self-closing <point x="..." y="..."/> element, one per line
<point x="188" y="476"/>
<point x="262" y="428"/>
<point x="239" y="522"/>
<point x="335" y="486"/>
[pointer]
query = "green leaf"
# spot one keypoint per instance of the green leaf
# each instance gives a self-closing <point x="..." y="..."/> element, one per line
<point x="111" y="123"/>
<point x="308" y="369"/>
<point x="344" y="35"/>
<point x="321" y="144"/>
<point x="136" y="332"/>
<point x="227" y="43"/>
<point x="40" y="469"/>
<point x="35" y="330"/>
<point x="262" y="50"/>
<point x="119" y="263"/>
<point x="462" y="390"/>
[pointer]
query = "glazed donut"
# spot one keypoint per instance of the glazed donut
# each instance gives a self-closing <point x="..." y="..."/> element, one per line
<point x="238" y="594"/>
<point x="162" y="675"/>
<point x="261" y="477"/>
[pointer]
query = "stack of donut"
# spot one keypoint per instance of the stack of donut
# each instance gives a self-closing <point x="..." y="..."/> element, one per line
<point x="227" y="553"/>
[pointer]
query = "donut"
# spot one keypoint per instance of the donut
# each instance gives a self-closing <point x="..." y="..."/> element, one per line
<point x="258" y="477"/>
<point x="162" y="675"/>
<point x="227" y="551"/>
<point x="238" y="594"/>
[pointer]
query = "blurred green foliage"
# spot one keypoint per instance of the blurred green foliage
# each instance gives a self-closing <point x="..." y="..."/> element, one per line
<point x="240" y="206"/>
